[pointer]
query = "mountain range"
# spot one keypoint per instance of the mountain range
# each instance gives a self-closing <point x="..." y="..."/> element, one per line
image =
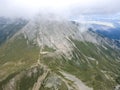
<point x="47" y="53"/>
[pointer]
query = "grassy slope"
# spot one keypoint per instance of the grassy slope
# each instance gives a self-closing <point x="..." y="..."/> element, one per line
<point x="16" y="55"/>
<point x="87" y="70"/>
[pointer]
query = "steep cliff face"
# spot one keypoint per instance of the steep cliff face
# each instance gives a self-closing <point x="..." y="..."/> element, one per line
<point x="52" y="54"/>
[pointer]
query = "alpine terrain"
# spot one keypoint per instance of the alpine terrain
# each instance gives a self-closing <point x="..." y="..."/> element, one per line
<point x="52" y="53"/>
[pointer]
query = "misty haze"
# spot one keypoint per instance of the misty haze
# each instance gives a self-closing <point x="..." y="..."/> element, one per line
<point x="59" y="45"/>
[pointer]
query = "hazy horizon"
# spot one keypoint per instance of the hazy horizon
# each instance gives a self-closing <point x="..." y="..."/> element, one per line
<point x="67" y="8"/>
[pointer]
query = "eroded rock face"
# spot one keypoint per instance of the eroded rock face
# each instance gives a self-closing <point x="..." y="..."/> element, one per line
<point x="57" y="33"/>
<point x="117" y="87"/>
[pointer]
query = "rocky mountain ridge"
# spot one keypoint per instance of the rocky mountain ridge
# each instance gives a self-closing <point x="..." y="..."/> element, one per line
<point x="54" y="54"/>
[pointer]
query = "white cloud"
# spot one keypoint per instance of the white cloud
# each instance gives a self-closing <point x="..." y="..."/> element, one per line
<point x="30" y="7"/>
<point x="108" y="24"/>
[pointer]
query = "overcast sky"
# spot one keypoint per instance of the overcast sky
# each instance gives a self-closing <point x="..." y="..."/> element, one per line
<point x="64" y="7"/>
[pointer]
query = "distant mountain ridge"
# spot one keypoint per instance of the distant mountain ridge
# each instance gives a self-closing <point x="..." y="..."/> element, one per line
<point x="106" y="29"/>
<point x="8" y="27"/>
